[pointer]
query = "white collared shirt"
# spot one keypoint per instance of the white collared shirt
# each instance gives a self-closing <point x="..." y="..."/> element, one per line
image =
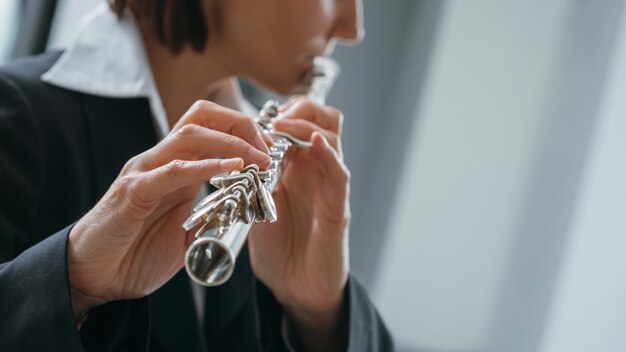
<point x="107" y="58"/>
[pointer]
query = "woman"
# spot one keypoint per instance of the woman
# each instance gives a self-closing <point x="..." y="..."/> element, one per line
<point x="79" y="139"/>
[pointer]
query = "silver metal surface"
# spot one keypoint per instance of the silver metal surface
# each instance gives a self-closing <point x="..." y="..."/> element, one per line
<point x="244" y="197"/>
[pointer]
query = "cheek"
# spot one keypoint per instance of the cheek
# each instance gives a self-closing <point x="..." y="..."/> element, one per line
<point x="288" y="28"/>
<point x="309" y="24"/>
<point x="301" y="24"/>
<point x="273" y="41"/>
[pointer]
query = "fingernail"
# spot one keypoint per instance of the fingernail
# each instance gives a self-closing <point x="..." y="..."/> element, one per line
<point x="260" y="157"/>
<point x="261" y="143"/>
<point x="268" y="140"/>
<point x="284" y="122"/>
<point x="234" y="163"/>
<point x="322" y="137"/>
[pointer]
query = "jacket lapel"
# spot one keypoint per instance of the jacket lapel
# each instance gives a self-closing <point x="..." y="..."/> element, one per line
<point x="174" y="322"/>
<point x="225" y="301"/>
<point x="121" y="129"/>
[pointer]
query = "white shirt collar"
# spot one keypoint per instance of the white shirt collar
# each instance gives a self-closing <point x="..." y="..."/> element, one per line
<point x="107" y="58"/>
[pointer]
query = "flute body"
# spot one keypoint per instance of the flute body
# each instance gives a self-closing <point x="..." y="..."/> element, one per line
<point x="226" y="216"/>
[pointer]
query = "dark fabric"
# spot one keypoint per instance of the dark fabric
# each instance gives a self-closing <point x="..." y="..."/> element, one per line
<point x="35" y="307"/>
<point x="51" y="173"/>
<point x="59" y="152"/>
<point x="367" y="330"/>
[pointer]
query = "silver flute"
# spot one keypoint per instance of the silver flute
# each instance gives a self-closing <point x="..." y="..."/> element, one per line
<point x="243" y="198"/>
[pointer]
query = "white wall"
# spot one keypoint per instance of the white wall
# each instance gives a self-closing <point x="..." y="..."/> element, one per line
<point x="462" y="179"/>
<point x="8" y="22"/>
<point x="67" y="16"/>
<point x="485" y="206"/>
<point x="547" y="212"/>
<point x="589" y="311"/>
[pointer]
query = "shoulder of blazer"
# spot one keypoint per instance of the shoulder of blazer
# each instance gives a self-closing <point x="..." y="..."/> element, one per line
<point x="82" y="141"/>
<point x="48" y="103"/>
<point x="38" y="141"/>
<point x="51" y="107"/>
<point x="26" y="73"/>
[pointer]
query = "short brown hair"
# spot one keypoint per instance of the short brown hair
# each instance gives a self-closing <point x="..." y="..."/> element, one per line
<point x="175" y="23"/>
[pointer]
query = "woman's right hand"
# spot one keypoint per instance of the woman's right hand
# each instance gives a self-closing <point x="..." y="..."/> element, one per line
<point x="132" y="242"/>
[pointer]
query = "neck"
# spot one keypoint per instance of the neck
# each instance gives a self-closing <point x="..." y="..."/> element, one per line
<point x="184" y="78"/>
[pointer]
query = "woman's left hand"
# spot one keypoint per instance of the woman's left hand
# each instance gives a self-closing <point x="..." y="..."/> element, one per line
<point x="303" y="257"/>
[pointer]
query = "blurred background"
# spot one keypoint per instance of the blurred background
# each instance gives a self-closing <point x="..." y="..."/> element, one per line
<point x="487" y="144"/>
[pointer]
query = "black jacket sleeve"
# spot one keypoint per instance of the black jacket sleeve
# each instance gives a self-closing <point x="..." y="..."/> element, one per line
<point x="20" y="168"/>
<point x="35" y="302"/>
<point x="367" y="331"/>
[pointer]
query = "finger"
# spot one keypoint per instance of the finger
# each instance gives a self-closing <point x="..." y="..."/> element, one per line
<point x="332" y="165"/>
<point x="303" y="129"/>
<point x="326" y="117"/>
<point x="219" y="118"/>
<point x="292" y="100"/>
<point x="153" y="185"/>
<point x="266" y="138"/>
<point x="336" y="177"/>
<point x="193" y="142"/>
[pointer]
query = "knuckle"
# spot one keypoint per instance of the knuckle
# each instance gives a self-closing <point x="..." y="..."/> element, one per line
<point x="232" y="141"/>
<point x="125" y="184"/>
<point x="132" y="164"/>
<point x="138" y="207"/>
<point x="198" y="108"/>
<point x="202" y="105"/>
<point x="126" y="193"/>
<point x="345" y="173"/>
<point x="174" y="167"/>
<point x="125" y="190"/>
<point x="246" y="124"/>
<point x="187" y="130"/>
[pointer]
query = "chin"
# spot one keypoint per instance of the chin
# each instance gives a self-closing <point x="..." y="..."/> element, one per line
<point x="283" y="82"/>
<point x="284" y="86"/>
<point x="285" y="89"/>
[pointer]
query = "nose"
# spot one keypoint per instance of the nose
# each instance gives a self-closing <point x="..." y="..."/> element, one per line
<point x="348" y="26"/>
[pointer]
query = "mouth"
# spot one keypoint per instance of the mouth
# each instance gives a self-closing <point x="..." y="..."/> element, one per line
<point x="320" y="69"/>
<point x="304" y="70"/>
<point x="303" y="84"/>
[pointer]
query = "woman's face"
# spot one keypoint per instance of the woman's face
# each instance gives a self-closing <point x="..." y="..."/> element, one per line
<point x="272" y="42"/>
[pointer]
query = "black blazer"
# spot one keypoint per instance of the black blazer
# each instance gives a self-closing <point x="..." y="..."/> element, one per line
<point x="60" y="150"/>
